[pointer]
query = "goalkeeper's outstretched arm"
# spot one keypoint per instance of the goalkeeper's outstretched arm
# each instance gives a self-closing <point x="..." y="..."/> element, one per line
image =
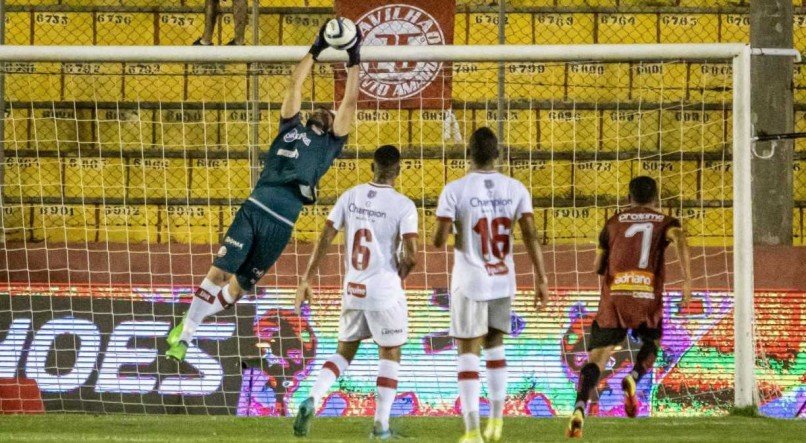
<point x="346" y="113"/>
<point x="304" y="291"/>
<point x="292" y="102"/>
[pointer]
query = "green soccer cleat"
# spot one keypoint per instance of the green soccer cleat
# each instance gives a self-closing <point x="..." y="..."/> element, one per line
<point x="177" y="351"/>
<point x="574" y="429"/>
<point x="176" y="333"/>
<point x="302" y="423"/>
<point x="494" y="429"/>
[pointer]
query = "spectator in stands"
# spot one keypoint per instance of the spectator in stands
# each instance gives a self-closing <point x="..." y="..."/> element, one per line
<point x="211" y="12"/>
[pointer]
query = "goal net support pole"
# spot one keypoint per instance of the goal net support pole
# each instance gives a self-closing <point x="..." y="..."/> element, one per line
<point x="743" y="284"/>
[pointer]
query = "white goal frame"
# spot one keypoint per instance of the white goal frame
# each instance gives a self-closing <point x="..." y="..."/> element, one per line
<point x="741" y="54"/>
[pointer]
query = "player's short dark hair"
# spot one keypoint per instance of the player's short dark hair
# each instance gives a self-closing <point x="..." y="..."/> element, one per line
<point x="643" y="190"/>
<point x="483" y="146"/>
<point x="387" y="156"/>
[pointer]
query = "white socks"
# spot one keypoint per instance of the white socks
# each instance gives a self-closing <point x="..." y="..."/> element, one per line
<point x="333" y="367"/>
<point x="469" y="389"/>
<point x="496" y="379"/>
<point x="208" y="300"/>
<point x="387" y="388"/>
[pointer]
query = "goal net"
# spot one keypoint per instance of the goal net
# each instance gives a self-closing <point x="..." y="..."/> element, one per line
<point x="121" y="178"/>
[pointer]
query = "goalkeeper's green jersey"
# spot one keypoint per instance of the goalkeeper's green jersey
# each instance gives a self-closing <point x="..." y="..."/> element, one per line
<point x="297" y="159"/>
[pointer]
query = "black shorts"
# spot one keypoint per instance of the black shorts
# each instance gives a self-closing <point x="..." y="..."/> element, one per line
<point x="603" y="337"/>
<point x="253" y="243"/>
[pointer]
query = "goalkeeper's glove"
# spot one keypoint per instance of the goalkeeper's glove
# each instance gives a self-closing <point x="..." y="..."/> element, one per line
<point x="319" y="44"/>
<point x="354" y="52"/>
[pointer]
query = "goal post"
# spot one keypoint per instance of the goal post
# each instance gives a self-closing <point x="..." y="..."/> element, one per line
<point x="563" y="147"/>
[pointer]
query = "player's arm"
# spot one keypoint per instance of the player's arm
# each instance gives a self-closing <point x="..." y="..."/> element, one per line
<point x="346" y="113"/>
<point x="532" y="244"/>
<point x="677" y="237"/>
<point x="304" y="292"/>
<point x="600" y="261"/>
<point x="408" y="260"/>
<point x="442" y="231"/>
<point x="292" y="102"/>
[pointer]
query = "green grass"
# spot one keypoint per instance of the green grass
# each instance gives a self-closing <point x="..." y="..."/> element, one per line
<point x="76" y="427"/>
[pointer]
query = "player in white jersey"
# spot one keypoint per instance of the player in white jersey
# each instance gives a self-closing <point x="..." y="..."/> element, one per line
<point x="481" y="208"/>
<point x="380" y="227"/>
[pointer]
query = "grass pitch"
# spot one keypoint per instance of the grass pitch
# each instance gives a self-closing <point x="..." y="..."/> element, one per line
<point x="77" y="427"/>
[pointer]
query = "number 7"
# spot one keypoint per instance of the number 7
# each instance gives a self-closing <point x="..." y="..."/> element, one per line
<point x="646" y="241"/>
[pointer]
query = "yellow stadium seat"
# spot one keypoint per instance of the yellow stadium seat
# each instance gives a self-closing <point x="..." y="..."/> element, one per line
<point x="689" y="28"/>
<point x="156" y="179"/>
<point x="220" y="178"/>
<point x="32" y="177"/>
<point x="460" y="28"/>
<point x="216" y="82"/>
<point x="94" y="177"/>
<point x="474" y="81"/>
<point x="273" y="82"/>
<point x="456" y="169"/>
<point x="799" y="80"/>
<point x="300" y="29"/>
<point x="17" y="222"/>
<point x="310" y="223"/>
<point x="800" y="126"/>
<point x="15" y="130"/>
<point x="373" y="128"/>
<point x="93" y="81"/>
<point x="433" y="127"/>
<point x="33" y="81"/>
<point x="711" y="82"/>
<point x="627" y="28"/>
<point x="124" y="130"/>
<point x="578" y="3"/>
<point x="269" y="125"/>
<point x="319" y="3"/>
<point x="189" y="129"/>
<point x="18" y="28"/>
<point x="569" y="130"/>
<point x="606" y="178"/>
<point x="717" y="180"/>
<point x="659" y="82"/>
<point x="544" y="178"/>
<point x="798" y="230"/>
<point x="598" y="82"/>
<point x="129" y="224"/>
<point x="343" y="175"/>
<point x="225" y="32"/>
<point x="323" y="83"/>
<point x="694" y="131"/>
<point x="706" y="226"/>
<point x="421" y="179"/>
<point x="536" y="81"/>
<point x="630" y="130"/>
<point x="282" y="3"/>
<point x="65" y="224"/>
<point x="235" y="129"/>
<point x="799" y="179"/>
<point x="63" y="28"/>
<point x="154" y="82"/>
<point x="676" y="179"/>
<point x="735" y="28"/>
<point x="520" y="127"/>
<point x="124" y="28"/>
<point x="269" y="29"/>
<point x="563" y="29"/>
<point x="61" y="128"/>
<point x="799" y="32"/>
<point x="483" y="29"/>
<point x="574" y="225"/>
<point x="179" y="28"/>
<point x="193" y="224"/>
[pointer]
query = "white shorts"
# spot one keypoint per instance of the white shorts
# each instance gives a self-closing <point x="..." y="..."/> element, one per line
<point x="387" y="328"/>
<point x="473" y="318"/>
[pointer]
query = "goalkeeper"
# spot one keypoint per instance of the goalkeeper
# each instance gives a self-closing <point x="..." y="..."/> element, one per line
<point x="298" y="157"/>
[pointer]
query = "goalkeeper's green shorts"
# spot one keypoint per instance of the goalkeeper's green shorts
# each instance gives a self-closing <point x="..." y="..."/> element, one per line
<point x="253" y="243"/>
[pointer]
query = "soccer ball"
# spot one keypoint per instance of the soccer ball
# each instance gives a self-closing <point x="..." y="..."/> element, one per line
<point x="340" y="33"/>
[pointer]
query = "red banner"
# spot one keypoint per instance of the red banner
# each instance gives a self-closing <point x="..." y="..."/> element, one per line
<point x="412" y="85"/>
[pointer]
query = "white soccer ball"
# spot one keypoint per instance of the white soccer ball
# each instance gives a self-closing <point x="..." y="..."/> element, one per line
<point x="340" y="33"/>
